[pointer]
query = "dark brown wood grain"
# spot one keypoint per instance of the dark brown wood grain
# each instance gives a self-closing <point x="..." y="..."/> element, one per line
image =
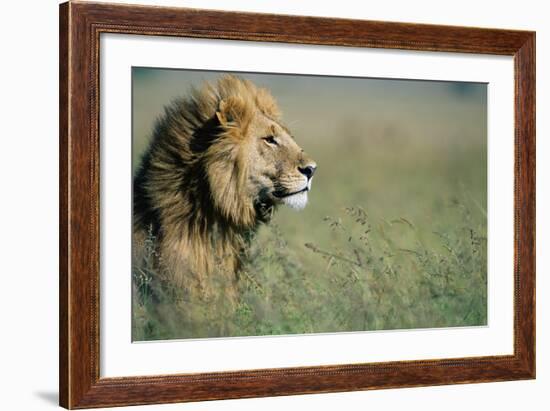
<point x="80" y="27"/>
<point x="63" y="205"/>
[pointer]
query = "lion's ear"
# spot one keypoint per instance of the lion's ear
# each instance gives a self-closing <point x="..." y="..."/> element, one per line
<point x="233" y="110"/>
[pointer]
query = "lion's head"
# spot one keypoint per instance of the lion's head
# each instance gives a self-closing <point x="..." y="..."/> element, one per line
<point x="253" y="162"/>
<point x="218" y="164"/>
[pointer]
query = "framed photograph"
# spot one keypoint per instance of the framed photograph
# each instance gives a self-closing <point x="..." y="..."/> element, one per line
<point x="258" y="205"/>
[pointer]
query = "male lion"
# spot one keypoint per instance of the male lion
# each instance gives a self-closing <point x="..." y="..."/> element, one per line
<point x="219" y="163"/>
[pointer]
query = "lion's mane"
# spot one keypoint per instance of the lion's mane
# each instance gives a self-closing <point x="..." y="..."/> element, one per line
<point x="189" y="192"/>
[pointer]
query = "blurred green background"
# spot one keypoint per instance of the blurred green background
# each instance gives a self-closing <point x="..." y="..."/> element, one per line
<point x="394" y="234"/>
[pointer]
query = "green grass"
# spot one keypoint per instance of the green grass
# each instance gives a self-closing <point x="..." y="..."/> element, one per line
<point x="394" y="237"/>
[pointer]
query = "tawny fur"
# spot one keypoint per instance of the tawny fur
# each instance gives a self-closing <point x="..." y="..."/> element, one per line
<point x="206" y="181"/>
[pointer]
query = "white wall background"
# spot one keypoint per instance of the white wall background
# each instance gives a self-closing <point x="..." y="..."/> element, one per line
<point x="29" y="219"/>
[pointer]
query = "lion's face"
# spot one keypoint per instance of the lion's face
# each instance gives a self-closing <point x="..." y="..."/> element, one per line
<point x="253" y="163"/>
<point x="280" y="171"/>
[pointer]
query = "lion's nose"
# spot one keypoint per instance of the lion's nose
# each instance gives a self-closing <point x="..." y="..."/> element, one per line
<point x="308" y="171"/>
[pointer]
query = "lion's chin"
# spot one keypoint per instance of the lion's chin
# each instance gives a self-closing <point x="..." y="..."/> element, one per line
<point x="296" y="201"/>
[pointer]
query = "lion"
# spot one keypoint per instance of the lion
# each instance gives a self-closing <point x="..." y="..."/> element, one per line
<point x="219" y="163"/>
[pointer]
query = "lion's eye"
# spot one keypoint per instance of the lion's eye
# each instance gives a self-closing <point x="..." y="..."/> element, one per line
<point x="271" y="140"/>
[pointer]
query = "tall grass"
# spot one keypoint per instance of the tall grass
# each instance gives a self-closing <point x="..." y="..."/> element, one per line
<point x="377" y="274"/>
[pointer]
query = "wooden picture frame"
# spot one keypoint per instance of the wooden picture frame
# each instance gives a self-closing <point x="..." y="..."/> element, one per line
<point x="80" y="27"/>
